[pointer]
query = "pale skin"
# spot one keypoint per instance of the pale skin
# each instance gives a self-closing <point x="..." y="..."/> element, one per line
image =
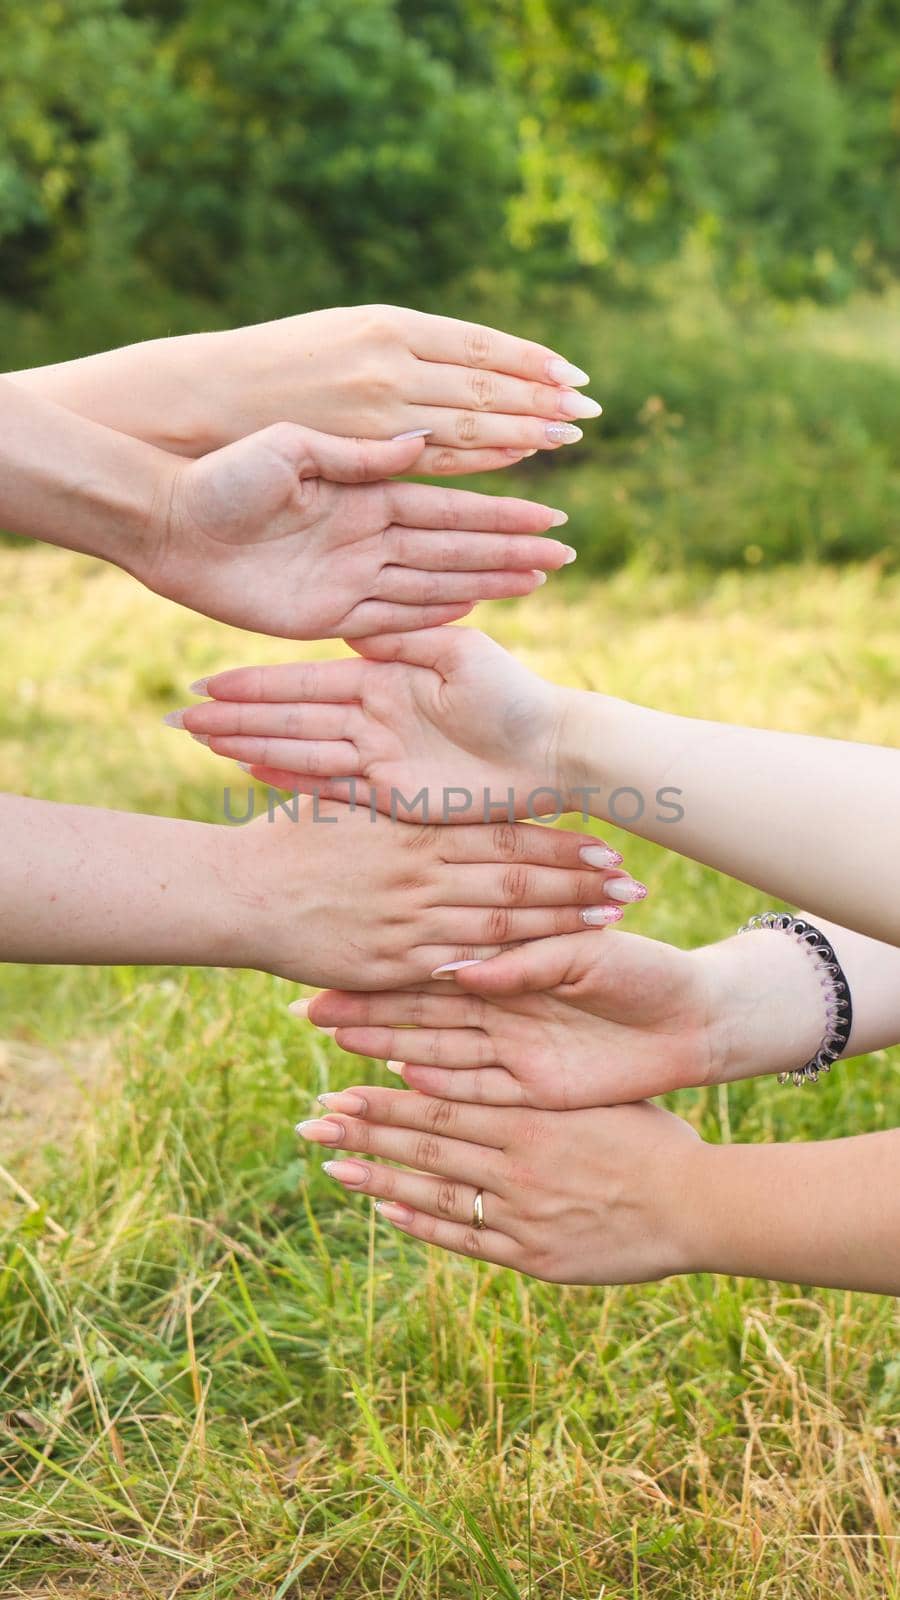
<point x="287" y="532"/>
<point x="321" y="899"/>
<point x="449" y="707"/>
<point x="618" y="1194"/>
<point x="486" y="397"/>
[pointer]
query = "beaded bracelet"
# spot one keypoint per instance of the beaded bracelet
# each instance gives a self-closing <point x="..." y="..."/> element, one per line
<point x="838" y="1006"/>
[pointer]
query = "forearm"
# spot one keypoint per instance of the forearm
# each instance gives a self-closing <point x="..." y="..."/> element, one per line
<point x="825" y="1214"/>
<point x="78" y="484"/>
<point x="79" y="884"/>
<point x="766" y="1006"/>
<point x="810" y="821"/>
<point x="157" y="391"/>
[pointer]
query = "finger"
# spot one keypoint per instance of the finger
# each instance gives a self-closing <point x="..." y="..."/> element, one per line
<point x="279" y="720"/>
<point x="537" y="843"/>
<point x="520" y="883"/>
<point x="470" y="344"/>
<point x="484" y="1129"/>
<point x="442" y="1047"/>
<point x="439" y="1197"/>
<point x="384" y="616"/>
<point x="486" y="430"/>
<point x="545" y="964"/>
<point x="443" y="461"/>
<point x="332" y="681"/>
<point x="418" y="1148"/>
<point x="342" y="460"/>
<point x="298" y="783"/>
<point x="329" y="758"/>
<point x="442" y="550"/>
<point x="485" y="1086"/>
<point x="501" y="924"/>
<point x="484" y="1244"/>
<point x="423" y="505"/>
<point x="432" y="588"/>
<point x="463" y="388"/>
<point x="429" y="1006"/>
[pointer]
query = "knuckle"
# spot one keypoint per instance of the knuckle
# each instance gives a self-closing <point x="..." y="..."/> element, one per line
<point x="499" y="925"/>
<point x="472" y="1242"/>
<point x="441" y="1116"/>
<point x="466" y="427"/>
<point x="507" y="841"/>
<point x="448" y="1201"/>
<point x="445" y="460"/>
<point x="478" y="346"/>
<point x="517" y="884"/>
<point x="484" y="389"/>
<point x="428" y="1151"/>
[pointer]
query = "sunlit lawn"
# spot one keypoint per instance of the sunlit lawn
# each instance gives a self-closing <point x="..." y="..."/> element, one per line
<point x="220" y="1378"/>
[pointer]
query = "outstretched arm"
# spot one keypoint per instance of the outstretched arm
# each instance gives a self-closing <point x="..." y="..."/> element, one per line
<point x="811" y="821"/>
<point x="620" y="1194"/>
<point x="487" y="398"/>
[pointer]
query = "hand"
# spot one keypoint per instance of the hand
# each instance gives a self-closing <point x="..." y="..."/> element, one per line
<point x="336" y="897"/>
<point x="286" y="533"/>
<point x="487" y="397"/>
<point x="566" y="1023"/>
<point x="602" y="1196"/>
<point x="442" y="710"/>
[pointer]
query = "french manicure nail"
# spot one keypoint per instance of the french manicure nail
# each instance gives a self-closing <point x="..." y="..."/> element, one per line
<point x="414" y="433"/>
<point x="392" y="1212"/>
<point x="600" y="855"/>
<point x="564" y="372"/>
<point x="395" y="1066"/>
<point x="578" y="405"/>
<point x="452" y="966"/>
<point x="342" y="1100"/>
<point x="571" y="555"/>
<point x="199" y="687"/>
<point x="320" y="1130"/>
<point x="559" y="519"/>
<point x="626" y="890"/>
<point x="174" y="719"/>
<point x="352" y="1172"/>
<point x="563" y="433"/>
<point x="602" y="916"/>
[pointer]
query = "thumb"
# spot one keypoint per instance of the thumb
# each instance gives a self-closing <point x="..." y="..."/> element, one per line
<point x="438" y="648"/>
<point x="326" y="455"/>
<point x="542" y="964"/>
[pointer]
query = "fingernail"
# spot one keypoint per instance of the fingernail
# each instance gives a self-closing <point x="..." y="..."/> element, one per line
<point x="201" y="738"/>
<point x="559" y="519"/>
<point x="414" y="433"/>
<point x="352" y="1172"/>
<point x="320" y="1130"/>
<point x="392" y="1212"/>
<point x="571" y="555"/>
<point x="564" y="372"/>
<point x="342" y="1100"/>
<point x="627" y="890"/>
<point x="299" y="1008"/>
<point x="597" y="855"/>
<point x="199" y="687"/>
<point x="244" y="766"/>
<point x="174" y="719"/>
<point x="519" y="455"/>
<point x="539" y="578"/>
<point x="395" y="1066"/>
<point x="601" y="916"/>
<point x="578" y="405"/>
<point x="563" y="433"/>
<point x="452" y="966"/>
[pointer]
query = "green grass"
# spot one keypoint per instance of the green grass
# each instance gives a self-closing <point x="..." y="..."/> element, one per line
<point x="221" y="1379"/>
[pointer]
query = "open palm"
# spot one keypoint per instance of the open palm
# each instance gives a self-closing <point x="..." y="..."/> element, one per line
<point x="438" y="717"/>
<point x="558" y="1024"/>
<point x="298" y="534"/>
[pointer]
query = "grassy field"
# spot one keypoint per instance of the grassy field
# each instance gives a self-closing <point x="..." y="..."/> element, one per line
<point x="221" y="1378"/>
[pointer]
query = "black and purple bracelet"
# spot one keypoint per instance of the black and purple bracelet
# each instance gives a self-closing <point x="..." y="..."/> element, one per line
<point x="838" y="1005"/>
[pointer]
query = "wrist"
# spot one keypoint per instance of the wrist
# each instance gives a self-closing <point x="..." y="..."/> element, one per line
<point x="763" y="1003"/>
<point x="611" y="753"/>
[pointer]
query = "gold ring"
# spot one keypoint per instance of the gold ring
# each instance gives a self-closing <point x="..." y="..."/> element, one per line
<point x="478" y="1221"/>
